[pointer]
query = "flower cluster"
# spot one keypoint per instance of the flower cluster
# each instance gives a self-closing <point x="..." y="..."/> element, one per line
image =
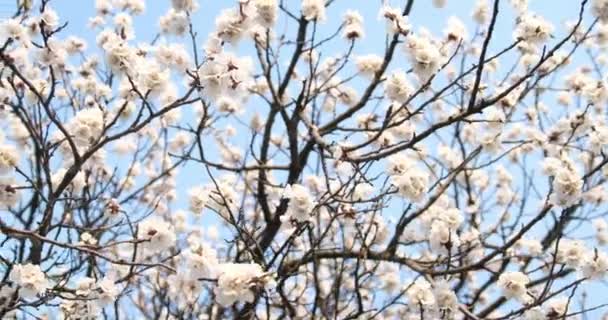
<point x="236" y="282"/>
<point x="30" y="280"/>
<point x="313" y="10"/>
<point x="410" y="181"/>
<point x="567" y="185"/>
<point x="301" y="202"/>
<point x="156" y="234"/>
<point x="353" y="25"/>
<point x="424" y="54"/>
<point x="89" y="297"/>
<point x="514" y="285"/>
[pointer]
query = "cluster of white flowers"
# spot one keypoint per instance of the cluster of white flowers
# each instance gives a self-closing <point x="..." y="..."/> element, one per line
<point x="535" y="313"/>
<point x="301" y="202"/>
<point x="567" y="187"/>
<point x="481" y="12"/>
<point x="396" y="22"/>
<point x="185" y="5"/>
<point x="598" y="138"/>
<point x="514" y="285"/>
<point x="412" y="184"/>
<point x="236" y="282"/>
<point x="9" y="157"/>
<point x="554" y="308"/>
<point x="86" y="126"/>
<point x="224" y="196"/>
<point x="267" y="11"/>
<point x="570" y="252"/>
<point x="438" y="226"/>
<point x="442" y="235"/>
<point x="225" y="79"/>
<point x="89" y="297"/>
<point x="158" y="235"/>
<point x="174" y="22"/>
<point x="424" y="54"/>
<point x="173" y="56"/>
<point x="313" y="10"/>
<point x="433" y="300"/>
<point x="201" y="261"/>
<point x="232" y="24"/>
<point x="368" y="65"/>
<point x="87" y="239"/>
<point x="531" y="247"/>
<point x="199" y="196"/>
<point x="353" y="25"/>
<point x="447" y="301"/>
<point x="9" y="195"/>
<point x="79" y="308"/>
<point x="153" y="79"/>
<point x="455" y="30"/>
<point x="30" y="279"/>
<point x="505" y="193"/>
<point x="599" y="8"/>
<point x="397" y="88"/>
<point x="448" y="156"/>
<point x="420" y="293"/>
<point x="601" y="231"/>
<point x="595" y="265"/>
<point x="410" y="181"/>
<point x="533" y="29"/>
<point x="13" y="29"/>
<point x="76" y="184"/>
<point x="198" y="263"/>
<point x="362" y="191"/>
<point x="592" y="264"/>
<point x="520" y="6"/>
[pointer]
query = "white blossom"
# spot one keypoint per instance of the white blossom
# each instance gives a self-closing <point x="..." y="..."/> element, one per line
<point x="567" y="186"/>
<point x="184" y="5"/>
<point x="201" y="261"/>
<point x="425" y="57"/>
<point x="513" y="285"/>
<point x="30" y="279"/>
<point x="420" y="293"/>
<point x="157" y="234"/>
<point x="353" y="25"/>
<point x="369" y="64"/>
<point x="397" y="87"/>
<point x="445" y="296"/>
<point x="8" y="158"/>
<point x="595" y="265"/>
<point x="313" y="10"/>
<point x="599" y="8"/>
<point x="236" y="282"/>
<point x="301" y="202"/>
<point x="396" y="22"/>
<point x="481" y="12"/>
<point x="267" y="12"/>
<point x="411" y="184"/>
<point x="534" y="313"/>
<point x="533" y="29"/>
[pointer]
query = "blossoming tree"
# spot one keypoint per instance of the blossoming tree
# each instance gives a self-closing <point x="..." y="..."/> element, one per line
<point x="279" y="168"/>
